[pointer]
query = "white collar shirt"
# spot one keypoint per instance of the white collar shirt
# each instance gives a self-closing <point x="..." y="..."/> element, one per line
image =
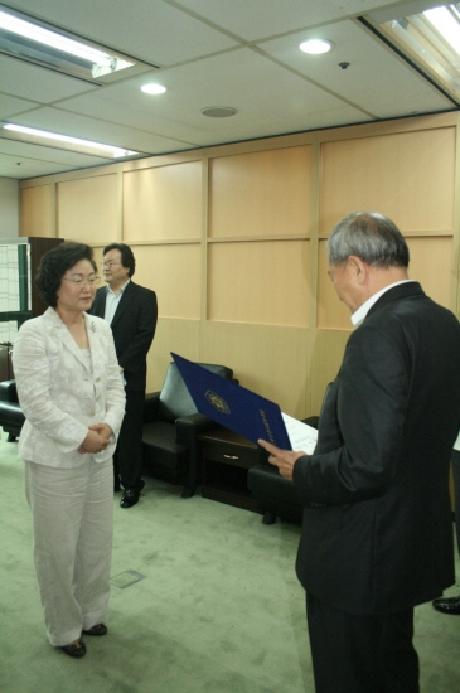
<point x="112" y="300"/>
<point x="361" y="312"/>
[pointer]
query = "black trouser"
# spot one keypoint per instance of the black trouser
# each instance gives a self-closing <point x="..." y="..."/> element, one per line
<point x="361" y="654"/>
<point x="456" y="472"/>
<point x="127" y="461"/>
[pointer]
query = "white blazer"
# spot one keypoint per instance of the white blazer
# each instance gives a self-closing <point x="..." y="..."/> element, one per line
<point x="59" y="395"/>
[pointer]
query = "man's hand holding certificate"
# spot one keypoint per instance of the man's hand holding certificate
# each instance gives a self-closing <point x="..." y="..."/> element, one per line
<point x="283" y="459"/>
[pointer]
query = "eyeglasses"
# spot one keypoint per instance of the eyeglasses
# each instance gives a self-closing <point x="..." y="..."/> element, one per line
<point x="81" y="279"/>
<point x="109" y="265"/>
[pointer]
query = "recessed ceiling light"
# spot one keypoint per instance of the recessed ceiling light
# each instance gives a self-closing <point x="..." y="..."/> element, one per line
<point x="315" y="46"/>
<point x="69" y="142"/>
<point x="219" y="111"/>
<point x="153" y="88"/>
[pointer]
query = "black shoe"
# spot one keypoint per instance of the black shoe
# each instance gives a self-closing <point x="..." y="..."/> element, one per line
<point x="447" y="605"/>
<point x="130" y="497"/>
<point x="74" y="649"/>
<point x="98" y="629"/>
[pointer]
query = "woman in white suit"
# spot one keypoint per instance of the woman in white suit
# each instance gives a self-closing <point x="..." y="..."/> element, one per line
<point x="71" y="392"/>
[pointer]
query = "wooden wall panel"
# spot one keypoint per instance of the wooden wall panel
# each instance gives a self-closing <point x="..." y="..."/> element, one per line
<point x="432" y="265"/>
<point x="261" y="193"/>
<point x="253" y="305"/>
<point x="179" y="336"/>
<point x="326" y="357"/>
<point x="173" y="272"/>
<point x="408" y="177"/>
<point x="273" y="361"/>
<point x="89" y="209"/>
<point x="260" y="282"/>
<point x="163" y="203"/>
<point x="37" y="211"/>
<point x="331" y="312"/>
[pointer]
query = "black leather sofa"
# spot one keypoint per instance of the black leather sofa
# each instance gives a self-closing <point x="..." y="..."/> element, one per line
<point x="171" y="426"/>
<point x="11" y="416"/>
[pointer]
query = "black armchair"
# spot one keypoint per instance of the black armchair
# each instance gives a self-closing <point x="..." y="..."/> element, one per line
<point x="171" y="424"/>
<point x="11" y="416"/>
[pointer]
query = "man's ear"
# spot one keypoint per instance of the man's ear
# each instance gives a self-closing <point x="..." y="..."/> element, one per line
<point x="359" y="269"/>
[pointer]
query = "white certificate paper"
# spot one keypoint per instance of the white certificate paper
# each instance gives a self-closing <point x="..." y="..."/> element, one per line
<point x="302" y="436"/>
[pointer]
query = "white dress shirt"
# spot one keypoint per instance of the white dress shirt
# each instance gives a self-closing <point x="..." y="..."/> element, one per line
<point x="361" y="312"/>
<point x="112" y="300"/>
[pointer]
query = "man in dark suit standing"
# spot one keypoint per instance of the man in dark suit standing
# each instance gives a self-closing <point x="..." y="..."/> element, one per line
<point x="132" y="312"/>
<point x="377" y="534"/>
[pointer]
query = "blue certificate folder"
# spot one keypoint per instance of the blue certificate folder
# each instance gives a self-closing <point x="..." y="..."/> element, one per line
<point x="233" y="406"/>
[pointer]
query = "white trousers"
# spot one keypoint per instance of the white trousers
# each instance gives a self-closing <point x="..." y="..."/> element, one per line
<point x="72" y="527"/>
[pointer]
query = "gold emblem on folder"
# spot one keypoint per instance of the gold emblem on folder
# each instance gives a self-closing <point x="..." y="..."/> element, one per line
<point x="217" y="402"/>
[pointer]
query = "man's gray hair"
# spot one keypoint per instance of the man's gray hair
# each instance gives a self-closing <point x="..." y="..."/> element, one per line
<point x="370" y="236"/>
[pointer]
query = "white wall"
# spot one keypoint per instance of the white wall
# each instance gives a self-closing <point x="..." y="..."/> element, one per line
<point x="9" y="208"/>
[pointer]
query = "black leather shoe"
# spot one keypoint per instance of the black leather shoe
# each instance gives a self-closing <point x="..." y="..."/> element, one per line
<point x="130" y="497"/>
<point x="98" y="629"/>
<point x="74" y="649"/>
<point x="447" y="605"/>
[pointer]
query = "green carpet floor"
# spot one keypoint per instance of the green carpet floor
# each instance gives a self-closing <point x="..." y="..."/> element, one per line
<point x="204" y="600"/>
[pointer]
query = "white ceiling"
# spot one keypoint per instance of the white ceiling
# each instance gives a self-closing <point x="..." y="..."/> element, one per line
<point x="240" y="53"/>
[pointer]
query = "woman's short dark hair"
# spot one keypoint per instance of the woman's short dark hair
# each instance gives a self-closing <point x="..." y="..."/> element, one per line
<point x="127" y="256"/>
<point x="55" y="263"/>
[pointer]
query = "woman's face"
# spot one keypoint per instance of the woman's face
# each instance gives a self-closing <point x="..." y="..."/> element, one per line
<point x="78" y="287"/>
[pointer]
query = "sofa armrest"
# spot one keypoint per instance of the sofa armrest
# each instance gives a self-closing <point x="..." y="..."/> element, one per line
<point x="8" y="391"/>
<point x="312" y="421"/>
<point x="152" y="401"/>
<point x="188" y="427"/>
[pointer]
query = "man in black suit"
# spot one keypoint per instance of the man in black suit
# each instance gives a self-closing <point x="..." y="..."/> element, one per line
<point x="132" y="312"/>
<point x="377" y="534"/>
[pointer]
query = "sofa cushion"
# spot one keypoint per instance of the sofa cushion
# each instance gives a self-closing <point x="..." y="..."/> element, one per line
<point x="8" y="391"/>
<point x="175" y="400"/>
<point x="160" y="447"/>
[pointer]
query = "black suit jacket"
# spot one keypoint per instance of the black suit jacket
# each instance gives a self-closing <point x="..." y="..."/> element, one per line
<point x="133" y="328"/>
<point x="377" y="531"/>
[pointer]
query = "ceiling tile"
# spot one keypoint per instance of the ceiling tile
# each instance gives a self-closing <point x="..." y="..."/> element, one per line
<point x="9" y="105"/>
<point x="269" y="99"/>
<point x="49" y="154"/>
<point x="15" y="167"/>
<point x="30" y="82"/>
<point x="255" y="19"/>
<point x="201" y="46"/>
<point x="376" y="79"/>
<point x="101" y="131"/>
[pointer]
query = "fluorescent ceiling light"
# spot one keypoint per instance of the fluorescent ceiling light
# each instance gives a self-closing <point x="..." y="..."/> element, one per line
<point x="93" y="147"/>
<point x="430" y="39"/>
<point x="41" y="43"/>
<point x="315" y="46"/>
<point x="446" y="21"/>
<point x="21" y="27"/>
<point x="153" y="88"/>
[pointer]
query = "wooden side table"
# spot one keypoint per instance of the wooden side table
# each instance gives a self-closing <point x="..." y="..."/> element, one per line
<point x="225" y="458"/>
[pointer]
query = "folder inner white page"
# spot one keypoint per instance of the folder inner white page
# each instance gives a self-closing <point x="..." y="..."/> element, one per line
<point x="302" y="436"/>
